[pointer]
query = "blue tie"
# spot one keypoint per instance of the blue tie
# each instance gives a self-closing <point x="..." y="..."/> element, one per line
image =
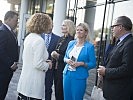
<point x="47" y="40"/>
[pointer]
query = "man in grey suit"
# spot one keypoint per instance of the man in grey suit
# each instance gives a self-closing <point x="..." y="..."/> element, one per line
<point x="8" y="51"/>
<point x="118" y="70"/>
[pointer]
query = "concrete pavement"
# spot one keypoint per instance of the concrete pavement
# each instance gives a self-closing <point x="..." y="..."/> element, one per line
<point x="12" y="93"/>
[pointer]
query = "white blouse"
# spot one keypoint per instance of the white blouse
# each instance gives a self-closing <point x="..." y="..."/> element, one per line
<point x="74" y="54"/>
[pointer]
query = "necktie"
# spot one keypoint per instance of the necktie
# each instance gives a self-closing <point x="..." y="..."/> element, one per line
<point x="47" y="40"/>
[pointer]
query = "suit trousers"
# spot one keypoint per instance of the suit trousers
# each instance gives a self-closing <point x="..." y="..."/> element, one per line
<point x="131" y="97"/>
<point x="49" y="83"/>
<point x="74" y="89"/>
<point x="59" y="85"/>
<point x="5" y="79"/>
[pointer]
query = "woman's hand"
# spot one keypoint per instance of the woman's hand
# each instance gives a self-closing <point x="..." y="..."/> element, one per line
<point x="76" y="64"/>
<point x="55" y="55"/>
<point x="69" y="61"/>
<point x="50" y="63"/>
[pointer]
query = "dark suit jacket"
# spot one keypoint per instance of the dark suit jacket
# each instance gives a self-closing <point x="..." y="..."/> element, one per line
<point x="119" y="71"/>
<point x="8" y="49"/>
<point x="52" y="45"/>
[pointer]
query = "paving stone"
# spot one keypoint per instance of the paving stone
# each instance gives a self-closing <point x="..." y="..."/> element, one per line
<point x="12" y="91"/>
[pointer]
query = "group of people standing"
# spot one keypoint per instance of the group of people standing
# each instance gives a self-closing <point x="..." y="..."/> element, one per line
<point x="64" y="61"/>
<point x="44" y="61"/>
<point x="46" y="55"/>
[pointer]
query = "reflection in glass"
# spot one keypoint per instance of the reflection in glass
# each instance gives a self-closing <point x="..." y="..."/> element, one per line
<point x="50" y="6"/>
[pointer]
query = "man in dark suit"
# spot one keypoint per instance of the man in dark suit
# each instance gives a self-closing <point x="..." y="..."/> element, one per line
<point x="118" y="71"/>
<point x="8" y="51"/>
<point x="50" y="74"/>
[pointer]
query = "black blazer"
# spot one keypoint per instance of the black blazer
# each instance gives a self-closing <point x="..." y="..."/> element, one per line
<point x="61" y="49"/>
<point x="119" y="71"/>
<point x="8" y="49"/>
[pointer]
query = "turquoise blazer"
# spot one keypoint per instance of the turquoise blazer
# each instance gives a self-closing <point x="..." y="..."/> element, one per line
<point x="87" y="55"/>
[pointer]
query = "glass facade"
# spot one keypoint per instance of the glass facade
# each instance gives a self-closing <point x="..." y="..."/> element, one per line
<point x="50" y="6"/>
<point x="114" y="9"/>
<point x="86" y="10"/>
<point x="38" y="5"/>
<point x="35" y="6"/>
<point x="93" y="12"/>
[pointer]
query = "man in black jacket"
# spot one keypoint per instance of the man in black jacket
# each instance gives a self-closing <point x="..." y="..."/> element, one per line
<point x="118" y="71"/>
<point x="8" y="51"/>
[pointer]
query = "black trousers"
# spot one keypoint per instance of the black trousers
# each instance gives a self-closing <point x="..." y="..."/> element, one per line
<point x="59" y="86"/>
<point x="49" y="83"/>
<point x="5" y="79"/>
<point x="22" y="97"/>
<point x="131" y="97"/>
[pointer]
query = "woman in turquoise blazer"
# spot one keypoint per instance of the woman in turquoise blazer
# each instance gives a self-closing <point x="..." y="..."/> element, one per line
<point x="79" y="59"/>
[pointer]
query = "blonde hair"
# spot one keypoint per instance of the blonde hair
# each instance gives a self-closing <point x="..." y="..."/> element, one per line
<point x="39" y="23"/>
<point x="70" y="26"/>
<point x="86" y="28"/>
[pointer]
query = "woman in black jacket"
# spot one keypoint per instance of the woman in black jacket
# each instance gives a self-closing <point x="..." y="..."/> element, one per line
<point x="68" y="29"/>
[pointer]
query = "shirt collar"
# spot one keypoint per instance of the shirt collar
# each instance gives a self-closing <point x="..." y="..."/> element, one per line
<point x="124" y="36"/>
<point x="7" y="26"/>
<point x="48" y="34"/>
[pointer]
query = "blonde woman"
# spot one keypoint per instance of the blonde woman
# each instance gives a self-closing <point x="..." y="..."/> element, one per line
<point x="32" y="78"/>
<point x="68" y="29"/>
<point x="79" y="59"/>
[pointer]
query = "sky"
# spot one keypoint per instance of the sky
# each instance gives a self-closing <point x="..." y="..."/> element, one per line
<point x="4" y="7"/>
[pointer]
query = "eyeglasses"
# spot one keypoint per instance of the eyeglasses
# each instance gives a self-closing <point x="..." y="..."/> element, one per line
<point x="115" y="25"/>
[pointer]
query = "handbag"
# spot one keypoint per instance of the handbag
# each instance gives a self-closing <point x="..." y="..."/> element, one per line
<point x="97" y="92"/>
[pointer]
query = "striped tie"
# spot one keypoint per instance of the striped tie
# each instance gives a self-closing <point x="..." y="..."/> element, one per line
<point x="47" y="40"/>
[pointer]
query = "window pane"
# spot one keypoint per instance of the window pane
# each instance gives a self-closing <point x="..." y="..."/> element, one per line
<point x="50" y="5"/>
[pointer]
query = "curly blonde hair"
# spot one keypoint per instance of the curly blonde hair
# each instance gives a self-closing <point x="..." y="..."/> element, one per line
<point x="39" y="23"/>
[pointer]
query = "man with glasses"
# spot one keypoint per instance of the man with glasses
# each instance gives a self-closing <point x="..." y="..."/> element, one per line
<point x="118" y="71"/>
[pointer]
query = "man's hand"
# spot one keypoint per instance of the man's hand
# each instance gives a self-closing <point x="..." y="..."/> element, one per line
<point x="101" y="70"/>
